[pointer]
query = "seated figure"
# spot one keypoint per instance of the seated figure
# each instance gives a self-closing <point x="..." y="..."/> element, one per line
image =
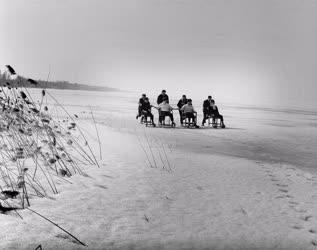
<point x="189" y="112"/>
<point x="141" y="101"/>
<point x="206" y="109"/>
<point x="214" y="113"/>
<point x="165" y="109"/>
<point x="146" y="110"/>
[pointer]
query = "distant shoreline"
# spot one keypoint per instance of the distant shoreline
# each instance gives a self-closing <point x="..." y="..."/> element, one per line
<point x="82" y="87"/>
<point x="40" y="84"/>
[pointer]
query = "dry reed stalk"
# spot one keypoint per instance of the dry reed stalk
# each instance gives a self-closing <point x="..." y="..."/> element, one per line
<point x="92" y="115"/>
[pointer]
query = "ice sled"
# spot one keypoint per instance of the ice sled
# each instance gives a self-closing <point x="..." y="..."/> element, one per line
<point x="215" y="122"/>
<point x="146" y="120"/>
<point x="188" y="122"/>
<point x="162" y="122"/>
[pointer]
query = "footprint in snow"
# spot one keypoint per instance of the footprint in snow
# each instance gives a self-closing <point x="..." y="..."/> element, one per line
<point x="291" y="168"/>
<point x="281" y="197"/>
<point x="281" y="185"/>
<point x="298" y="227"/>
<point x="86" y="175"/>
<point x="289" y="196"/>
<point x="108" y="176"/>
<point x="300" y="210"/>
<point x="101" y="186"/>
<point x="306" y="217"/>
<point x="283" y="190"/>
<point x="312" y="231"/>
<point x="146" y="218"/>
<point x="293" y="202"/>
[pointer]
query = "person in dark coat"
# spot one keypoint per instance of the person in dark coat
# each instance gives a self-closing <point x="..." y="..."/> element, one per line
<point x="206" y="109"/>
<point x="146" y="110"/>
<point x="180" y="104"/>
<point x="163" y="96"/>
<point x="141" y="101"/>
<point x="214" y="113"/>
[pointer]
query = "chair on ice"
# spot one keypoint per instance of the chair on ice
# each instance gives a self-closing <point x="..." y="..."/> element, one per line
<point x="189" y="115"/>
<point x="162" y="119"/>
<point x="146" y="119"/>
<point x="214" y="121"/>
<point x="189" y="121"/>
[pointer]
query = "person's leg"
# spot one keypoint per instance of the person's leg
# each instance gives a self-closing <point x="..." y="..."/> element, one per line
<point x="151" y="117"/>
<point x="163" y="115"/>
<point x="180" y="116"/>
<point x="143" y="115"/>
<point x="171" y="117"/>
<point x="205" y="117"/>
<point x="221" y="118"/>
<point x="218" y="116"/>
<point x="194" y="119"/>
<point x="190" y="117"/>
<point x="222" y="124"/>
<point x="160" y="117"/>
<point x="213" y="119"/>
<point x="139" y="112"/>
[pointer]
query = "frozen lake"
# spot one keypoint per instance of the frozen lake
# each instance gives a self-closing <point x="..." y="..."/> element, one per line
<point x="262" y="133"/>
<point x="250" y="186"/>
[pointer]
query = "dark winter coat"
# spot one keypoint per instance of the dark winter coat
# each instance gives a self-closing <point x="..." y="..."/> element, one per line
<point x="181" y="103"/>
<point x="160" y="98"/>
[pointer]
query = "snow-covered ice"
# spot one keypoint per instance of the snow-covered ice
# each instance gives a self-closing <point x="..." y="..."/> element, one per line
<point x="250" y="186"/>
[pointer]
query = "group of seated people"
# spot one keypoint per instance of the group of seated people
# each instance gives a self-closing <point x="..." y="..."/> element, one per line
<point x="184" y="106"/>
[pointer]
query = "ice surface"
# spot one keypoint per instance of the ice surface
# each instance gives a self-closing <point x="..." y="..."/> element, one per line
<point x="251" y="186"/>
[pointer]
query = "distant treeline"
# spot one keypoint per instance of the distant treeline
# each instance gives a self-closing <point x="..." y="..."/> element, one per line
<point x="20" y="81"/>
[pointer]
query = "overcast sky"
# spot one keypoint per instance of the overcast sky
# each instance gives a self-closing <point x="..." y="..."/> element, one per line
<point x="248" y="51"/>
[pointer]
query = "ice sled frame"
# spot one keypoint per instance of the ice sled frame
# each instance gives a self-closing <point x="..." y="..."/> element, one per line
<point x="164" y="124"/>
<point x="187" y="122"/>
<point x="145" y="119"/>
<point x="214" y="122"/>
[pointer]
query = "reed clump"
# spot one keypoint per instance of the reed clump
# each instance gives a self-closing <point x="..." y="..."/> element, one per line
<point x="37" y="150"/>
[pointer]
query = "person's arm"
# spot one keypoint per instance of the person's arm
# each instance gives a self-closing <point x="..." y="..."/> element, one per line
<point x="205" y="105"/>
<point x="182" y="108"/>
<point x="158" y="100"/>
